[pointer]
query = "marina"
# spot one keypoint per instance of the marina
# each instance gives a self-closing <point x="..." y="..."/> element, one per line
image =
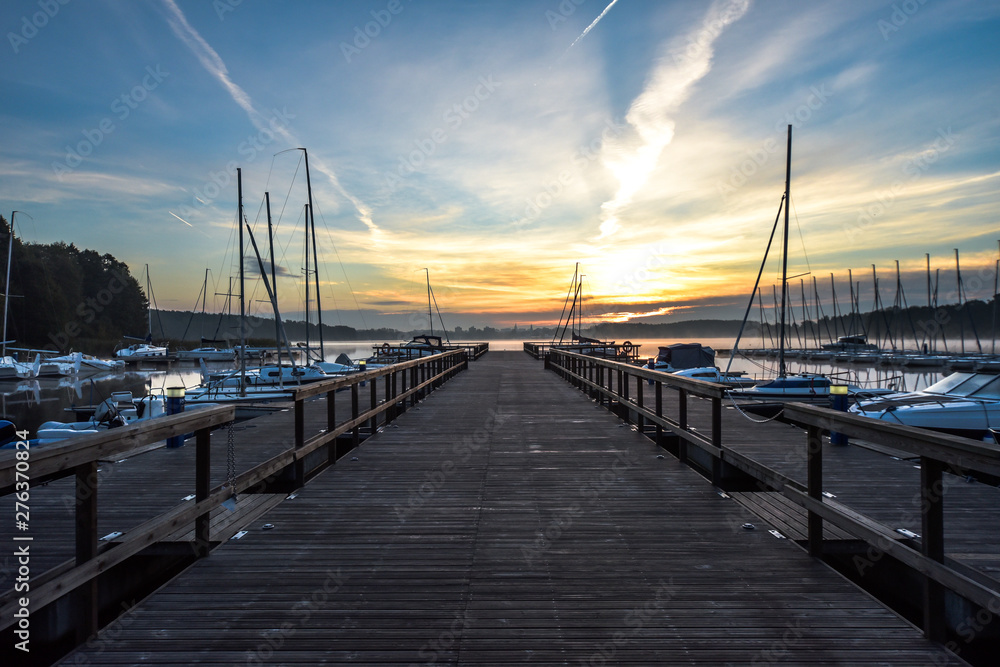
<point x="506" y="500"/>
<point x="363" y="418"/>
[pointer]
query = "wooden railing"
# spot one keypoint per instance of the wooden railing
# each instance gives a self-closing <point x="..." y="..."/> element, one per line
<point x="391" y="390"/>
<point x="640" y="391"/>
<point x="937" y="451"/>
<point x="620" y="385"/>
<point x="24" y="469"/>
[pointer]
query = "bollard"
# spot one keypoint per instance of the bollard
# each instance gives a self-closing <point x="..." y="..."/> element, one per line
<point x="838" y="394"/>
<point x="175" y="405"/>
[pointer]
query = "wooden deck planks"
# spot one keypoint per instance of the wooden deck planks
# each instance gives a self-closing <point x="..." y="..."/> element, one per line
<point x="508" y="520"/>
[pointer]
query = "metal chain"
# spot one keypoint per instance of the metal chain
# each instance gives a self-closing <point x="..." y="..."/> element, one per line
<point x="755" y="421"/>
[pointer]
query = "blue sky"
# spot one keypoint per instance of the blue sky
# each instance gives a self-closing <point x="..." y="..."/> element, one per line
<point x="498" y="143"/>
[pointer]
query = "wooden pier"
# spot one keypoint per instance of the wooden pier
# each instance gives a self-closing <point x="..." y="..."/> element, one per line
<point x="505" y="518"/>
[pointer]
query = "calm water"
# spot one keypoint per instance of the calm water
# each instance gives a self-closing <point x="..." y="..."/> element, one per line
<point x="29" y="403"/>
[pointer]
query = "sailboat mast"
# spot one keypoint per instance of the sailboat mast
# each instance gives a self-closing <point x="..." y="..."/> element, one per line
<point x="996" y="286"/>
<point x="430" y="315"/>
<point x="204" y="299"/>
<point x="6" y="296"/>
<point x="784" y="256"/>
<point x="958" y="281"/>
<point x="243" y="312"/>
<point x="274" y="282"/>
<point x="311" y="222"/>
<point x="149" y="311"/>
<point x="307" y="282"/>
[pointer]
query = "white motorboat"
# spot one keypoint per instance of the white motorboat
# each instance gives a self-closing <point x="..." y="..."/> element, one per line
<point x="963" y="403"/>
<point x="342" y="366"/>
<point x="683" y="356"/>
<point x="141" y="351"/>
<point x="800" y="387"/>
<point x="265" y="376"/>
<point x="121" y="409"/>
<point x="713" y="374"/>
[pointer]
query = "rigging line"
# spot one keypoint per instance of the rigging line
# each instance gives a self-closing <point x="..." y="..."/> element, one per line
<point x="569" y="293"/>
<point x="343" y="269"/>
<point x="802" y="240"/>
<point x="289" y="193"/>
<point x="763" y="264"/>
<point x="288" y="241"/>
<point x="257" y="282"/>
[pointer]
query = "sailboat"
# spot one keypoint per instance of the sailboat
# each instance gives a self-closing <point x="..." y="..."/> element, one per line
<point x="786" y="387"/>
<point x="254" y="385"/>
<point x="11" y="368"/>
<point x="205" y="352"/>
<point x="421" y="345"/>
<point x="145" y="349"/>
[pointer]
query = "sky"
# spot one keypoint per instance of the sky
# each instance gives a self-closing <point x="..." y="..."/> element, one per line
<point x="498" y="144"/>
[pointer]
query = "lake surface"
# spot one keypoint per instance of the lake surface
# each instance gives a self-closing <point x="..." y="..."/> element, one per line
<point x="29" y="403"/>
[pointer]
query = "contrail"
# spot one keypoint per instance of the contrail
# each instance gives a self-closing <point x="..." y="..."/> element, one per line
<point x="591" y="26"/>
<point x="214" y="65"/>
<point x="181" y="219"/>
<point x="186" y="223"/>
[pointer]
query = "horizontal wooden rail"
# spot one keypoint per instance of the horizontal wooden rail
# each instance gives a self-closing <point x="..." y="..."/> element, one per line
<point x="61" y="458"/>
<point x="948" y="449"/>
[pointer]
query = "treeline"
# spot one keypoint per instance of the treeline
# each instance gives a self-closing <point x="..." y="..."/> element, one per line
<point x="63" y="298"/>
<point x="189" y="327"/>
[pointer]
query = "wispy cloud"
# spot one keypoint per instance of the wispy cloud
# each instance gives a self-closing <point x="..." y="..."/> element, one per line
<point x="214" y="65"/>
<point x="634" y="158"/>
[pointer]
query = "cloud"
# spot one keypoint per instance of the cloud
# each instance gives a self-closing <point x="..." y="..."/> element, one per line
<point x="634" y="158"/>
<point x="214" y="65"/>
<point x="252" y="268"/>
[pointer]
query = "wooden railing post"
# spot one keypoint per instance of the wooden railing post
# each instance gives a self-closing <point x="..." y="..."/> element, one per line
<point x="202" y="485"/>
<point x="414" y="380"/>
<point x="356" y="433"/>
<point x="658" y="388"/>
<point x="390" y="397"/>
<point x="932" y="544"/>
<point x="814" y="486"/>
<point x="331" y="424"/>
<point x="682" y="422"/>
<point x="299" y="468"/>
<point x="640" y="420"/>
<point x="717" y="440"/>
<point x="600" y="384"/>
<point x="373" y="391"/>
<point x="87" y="600"/>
